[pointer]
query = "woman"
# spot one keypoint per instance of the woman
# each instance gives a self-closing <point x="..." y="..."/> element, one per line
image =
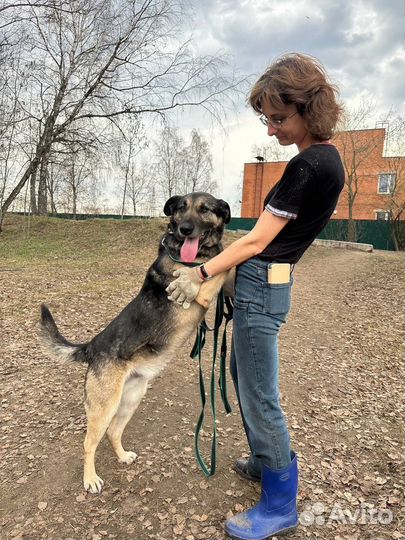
<point x="298" y="105"/>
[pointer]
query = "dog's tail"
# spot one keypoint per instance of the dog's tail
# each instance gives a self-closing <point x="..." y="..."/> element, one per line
<point x="54" y="344"/>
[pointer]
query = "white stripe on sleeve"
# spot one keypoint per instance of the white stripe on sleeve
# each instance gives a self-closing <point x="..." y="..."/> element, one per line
<point x="280" y="213"/>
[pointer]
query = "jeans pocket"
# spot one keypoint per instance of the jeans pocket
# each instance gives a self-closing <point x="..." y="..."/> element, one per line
<point x="277" y="299"/>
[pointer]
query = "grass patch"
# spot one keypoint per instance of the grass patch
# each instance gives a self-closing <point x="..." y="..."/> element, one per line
<point x="40" y="239"/>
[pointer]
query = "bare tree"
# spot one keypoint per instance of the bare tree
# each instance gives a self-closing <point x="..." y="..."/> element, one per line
<point x="99" y="59"/>
<point x="396" y="168"/>
<point x="130" y="141"/>
<point x="77" y="174"/>
<point x="54" y="185"/>
<point x="197" y="165"/>
<point x="82" y="142"/>
<point x="139" y="186"/>
<point x="356" y="147"/>
<point x="181" y="168"/>
<point x="12" y="132"/>
<point x="153" y="205"/>
<point x="168" y="163"/>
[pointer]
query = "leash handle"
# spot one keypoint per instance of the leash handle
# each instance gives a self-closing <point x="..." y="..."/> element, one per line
<point x="208" y="471"/>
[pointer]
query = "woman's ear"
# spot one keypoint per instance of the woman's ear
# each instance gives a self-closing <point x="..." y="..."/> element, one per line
<point x="171" y="204"/>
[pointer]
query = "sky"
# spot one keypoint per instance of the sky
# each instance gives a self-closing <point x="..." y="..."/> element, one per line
<point x="360" y="42"/>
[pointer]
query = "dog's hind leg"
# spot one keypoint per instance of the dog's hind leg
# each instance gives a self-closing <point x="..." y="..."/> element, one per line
<point x="103" y="396"/>
<point x="132" y="394"/>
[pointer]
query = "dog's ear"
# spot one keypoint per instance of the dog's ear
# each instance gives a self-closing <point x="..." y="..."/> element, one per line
<point x="171" y="204"/>
<point x="223" y="210"/>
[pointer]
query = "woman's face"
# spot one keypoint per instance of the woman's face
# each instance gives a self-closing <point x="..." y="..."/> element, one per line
<point x="292" y="127"/>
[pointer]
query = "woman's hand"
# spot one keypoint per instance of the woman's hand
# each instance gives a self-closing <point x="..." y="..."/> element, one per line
<point x="185" y="288"/>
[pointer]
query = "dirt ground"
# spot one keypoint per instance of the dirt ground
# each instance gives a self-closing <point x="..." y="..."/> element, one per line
<point x="341" y="380"/>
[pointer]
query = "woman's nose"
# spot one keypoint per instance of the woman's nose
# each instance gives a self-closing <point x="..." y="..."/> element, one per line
<point x="271" y="130"/>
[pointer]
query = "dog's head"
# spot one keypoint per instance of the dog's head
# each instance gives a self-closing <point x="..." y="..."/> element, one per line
<point x="196" y="224"/>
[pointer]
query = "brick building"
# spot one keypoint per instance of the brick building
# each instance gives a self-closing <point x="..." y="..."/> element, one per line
<point x="374" y="183"/>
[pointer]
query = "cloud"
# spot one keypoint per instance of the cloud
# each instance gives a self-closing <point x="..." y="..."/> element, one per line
<point x="361" y="45"/>
<point x="357" y="41"/>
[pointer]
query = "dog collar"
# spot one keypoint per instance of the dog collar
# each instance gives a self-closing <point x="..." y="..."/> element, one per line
<point x="191" y="264"/>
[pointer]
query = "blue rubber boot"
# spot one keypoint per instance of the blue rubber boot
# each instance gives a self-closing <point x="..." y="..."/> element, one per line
<point x="276" y="512"/>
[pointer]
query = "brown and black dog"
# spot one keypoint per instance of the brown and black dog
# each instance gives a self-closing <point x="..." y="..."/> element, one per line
<point x="138" y="343"/>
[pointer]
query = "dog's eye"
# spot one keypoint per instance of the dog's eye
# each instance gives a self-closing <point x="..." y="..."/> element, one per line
<point x="204" y="209"/>
<point x="182" y="207"/>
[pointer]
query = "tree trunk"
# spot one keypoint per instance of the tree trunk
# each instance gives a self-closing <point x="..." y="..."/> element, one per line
<point x="351" y="230"/>
<point x="32" y="167"/>
<point x="127" y="166"/>
<point x="74" y="201"/>
<point x="398" y="234"/>
<point x="33" y="195"/>
<point x="124" y="194"/>
<point x="53" y="205"/>
<point x="43" y="184"/>
<point x="51" y="192"/>
<point x="351" y="225"/>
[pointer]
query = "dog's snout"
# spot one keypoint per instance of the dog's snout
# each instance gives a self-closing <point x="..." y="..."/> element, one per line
<point x="186" y="229"/>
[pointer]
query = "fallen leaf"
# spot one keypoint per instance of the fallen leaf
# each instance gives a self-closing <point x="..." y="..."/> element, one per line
<point x="22" y="480"/>
<point x="380" y="481"/>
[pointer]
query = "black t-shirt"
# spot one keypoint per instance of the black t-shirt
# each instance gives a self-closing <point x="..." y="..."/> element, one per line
<point x="307" y="195"/>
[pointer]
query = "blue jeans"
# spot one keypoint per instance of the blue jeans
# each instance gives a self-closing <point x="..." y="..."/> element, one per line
<point x="259" y="311"/>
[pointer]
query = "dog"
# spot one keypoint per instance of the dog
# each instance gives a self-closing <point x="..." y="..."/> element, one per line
<point x="136" y="345"/>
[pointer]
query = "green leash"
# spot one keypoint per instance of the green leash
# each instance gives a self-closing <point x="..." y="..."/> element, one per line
<point x="199" y="343"/>
<point x="220" y="314"/>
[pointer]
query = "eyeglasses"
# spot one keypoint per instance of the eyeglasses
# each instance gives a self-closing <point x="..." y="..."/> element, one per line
<point x="276" y="124"/>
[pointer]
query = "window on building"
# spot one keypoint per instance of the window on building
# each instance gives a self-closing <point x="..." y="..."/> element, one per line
<point x="386" y="183"/>
<point x="383" y="215"/>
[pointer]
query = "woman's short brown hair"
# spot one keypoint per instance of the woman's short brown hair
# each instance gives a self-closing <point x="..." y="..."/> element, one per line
<point x="300" y="79"/>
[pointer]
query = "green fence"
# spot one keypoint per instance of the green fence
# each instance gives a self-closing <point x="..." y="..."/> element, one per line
<point x="81" y="217"/>
<point x="377" y="233"/>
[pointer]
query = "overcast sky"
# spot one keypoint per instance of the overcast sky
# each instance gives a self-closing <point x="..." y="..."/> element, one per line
<point x="361" y="44"/>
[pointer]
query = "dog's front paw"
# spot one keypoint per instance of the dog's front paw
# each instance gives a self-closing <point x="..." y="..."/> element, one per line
<point x="93" y="484"/>
<point x="203" y="301"/>
<point x="127" y="457"/>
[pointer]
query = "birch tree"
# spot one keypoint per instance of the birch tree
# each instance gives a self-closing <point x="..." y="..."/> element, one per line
<point x="77" y="174"/>
<point x="130" y="141"/>
<point x="168" y="162"/>
<point x="197" y="165"/>
<point x="139" y="186"/>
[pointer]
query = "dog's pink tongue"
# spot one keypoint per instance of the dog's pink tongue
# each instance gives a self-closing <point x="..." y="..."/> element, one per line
<point x="189" y="249"/>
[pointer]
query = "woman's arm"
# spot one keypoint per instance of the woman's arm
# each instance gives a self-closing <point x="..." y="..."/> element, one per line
<point x="254" y="242"/>
<point x="185" y="288"/>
